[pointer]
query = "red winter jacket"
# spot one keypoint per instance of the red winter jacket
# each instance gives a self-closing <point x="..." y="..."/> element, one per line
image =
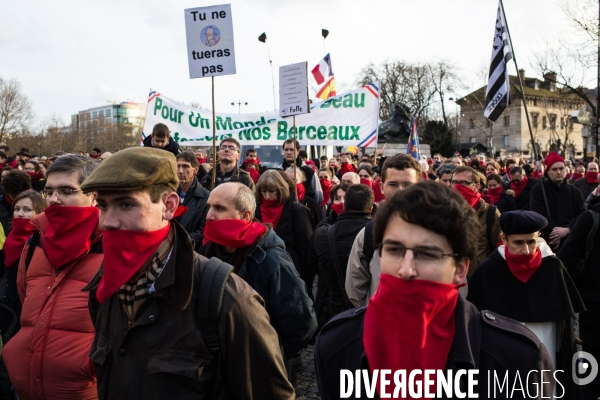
<point x="48" y="358"/>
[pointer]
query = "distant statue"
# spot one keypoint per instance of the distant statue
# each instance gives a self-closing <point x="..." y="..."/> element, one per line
<point x="397" y="128"/>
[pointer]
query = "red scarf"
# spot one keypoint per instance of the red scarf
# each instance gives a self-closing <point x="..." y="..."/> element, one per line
<point x="523" y="266"/>
<point x="326" y="187"/>
<point x="22" y="229"/>
<point x="254" y="174"/>
<point x="338" y="208"/>
<point x="367" y="182"/>
<point x="36" y="177"/>
<point x="234" y="233"/>
<point x="347" y="167"/>
<point x="13" y="163"/>
<point x="494" y="194"/>
<point x="9" y="199"/>
<point x="377" y="191"/>
<point x="301" y="190"/>
<point x="536" y="174"/>
<point x="591" y="177"/>
<point x="270" y="210"/>
<point x="409" y="325"/>
<point x="68" y="234"/>
<point x="519" y="186"/>
<point x="201" y="160"/>
<point x="125" y="252"/>
<point x="577" y="175"/>
<point x="471" y="196"/>
<point x="94" y="156"/>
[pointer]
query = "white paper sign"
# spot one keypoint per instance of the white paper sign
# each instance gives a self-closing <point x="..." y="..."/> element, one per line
<point x="293" y="90"/>
<point x="209" y="33"/>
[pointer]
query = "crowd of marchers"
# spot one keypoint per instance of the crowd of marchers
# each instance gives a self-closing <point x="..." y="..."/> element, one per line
<point x="151" y="274"/>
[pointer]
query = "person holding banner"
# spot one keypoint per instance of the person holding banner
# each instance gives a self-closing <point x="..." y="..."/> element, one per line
<point x="227" y="168"/>
<point x="291" y="150"/>
<point x="161" y="139"/>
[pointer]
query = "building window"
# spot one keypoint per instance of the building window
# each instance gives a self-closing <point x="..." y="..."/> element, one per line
<point x="506" y="140"/>
<point x="107" y="113"/>
<point x="535" y="102"/>
<point x="544" y="123"/>
<point x="507" y="120"/>
<point x="94" y="114"/>
<point x="553" y="121"/>
<point x="534" y="120"/>
<point x="472" y="139"/>
<point x="562" y="123"/>
<point x="472" y="123"/>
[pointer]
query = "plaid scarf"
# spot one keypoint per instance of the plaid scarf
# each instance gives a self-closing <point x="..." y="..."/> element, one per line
<point x="136" y="290"/>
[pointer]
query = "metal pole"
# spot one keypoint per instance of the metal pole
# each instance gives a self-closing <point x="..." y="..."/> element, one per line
<point x="597" y="89"/>
<point x="272" y="75"/>
<point x="295" y="158"/>
<point x="534" y="148"/>
<point x="214" y="175"/>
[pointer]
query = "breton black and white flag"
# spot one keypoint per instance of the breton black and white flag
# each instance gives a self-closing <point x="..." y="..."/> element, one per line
<point x="497" y="96"/>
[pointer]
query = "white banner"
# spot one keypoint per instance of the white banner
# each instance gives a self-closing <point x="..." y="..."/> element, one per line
<point x="350" y="119"/>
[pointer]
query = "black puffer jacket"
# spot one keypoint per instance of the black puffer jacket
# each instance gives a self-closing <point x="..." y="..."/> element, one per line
<point x="270" y="271"/>
<point x="236" y="175"/>
<point x="195" y="218"/>
<point x="172" y="146"/>
<point x="295" y="230"/>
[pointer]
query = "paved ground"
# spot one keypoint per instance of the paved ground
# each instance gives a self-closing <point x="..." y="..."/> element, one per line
<point x="306" y="386"/>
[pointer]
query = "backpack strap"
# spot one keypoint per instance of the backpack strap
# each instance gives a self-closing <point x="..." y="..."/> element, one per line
<point x="210" y="299"/>
<point x="489" y="221"/>
<point x="336" y="265"/>
<point x="368" y="246"/>
<point x="589" y="244"/>
<point x="33" y="242"/>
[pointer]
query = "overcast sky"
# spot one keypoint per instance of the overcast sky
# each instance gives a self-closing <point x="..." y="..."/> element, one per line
<point x="70" y="55"/>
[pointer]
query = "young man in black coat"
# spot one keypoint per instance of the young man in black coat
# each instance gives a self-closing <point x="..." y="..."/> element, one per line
<point x="358" y="203"/>
<point x="564" y="201"/>
<point x="161" y="139"/>
<point x="524" y="280"/>
<point x="417" y="321"/>
<point x="192" y="196"/>
<point x="227" y="168"/>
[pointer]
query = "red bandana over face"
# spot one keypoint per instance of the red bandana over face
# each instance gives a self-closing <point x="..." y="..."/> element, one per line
<point x="347" y="167"/>
<point x="338" y="208"/>
<point x="471" y="196"/>
<point x="22" y="229"/>
<point x="233" y="233"/>
<point x="125" y="252"/>
<point x="367" y="182"/>
<point x="270" y="211"/>
<point x="519" y="186"/>
<point x="495" y="194"/>
<point x="68" y="233"/>
<point x="591" y="177"/>
<point x="409" y="324"/>
<point x="301" y="190"/>
<point x="326" y="187"/>
<point x="377" y="191"/>
<point x="523" y="266"/>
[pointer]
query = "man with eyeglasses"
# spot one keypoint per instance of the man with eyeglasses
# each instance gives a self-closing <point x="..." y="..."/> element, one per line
<point x="362" y="274"/>
<point x="467" y="181"/>
<point x="562" y="205"/>
<point x="416" y="320"/>
<point x="49" y="356"/>
<point x="542" y="295"/>
<point x="521" y="184"/>
<point x="227" y="168"/>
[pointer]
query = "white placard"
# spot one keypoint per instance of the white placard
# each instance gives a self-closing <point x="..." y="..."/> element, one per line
<point x="293" y="89"/>
<point x="209" y="33"/>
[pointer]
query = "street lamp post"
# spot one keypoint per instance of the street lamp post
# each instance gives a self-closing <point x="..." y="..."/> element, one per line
<point x="456" y="126"/>
<point x="239" y="103"/>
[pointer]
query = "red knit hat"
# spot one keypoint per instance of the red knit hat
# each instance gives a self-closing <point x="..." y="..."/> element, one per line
<point x="553" y="158"/>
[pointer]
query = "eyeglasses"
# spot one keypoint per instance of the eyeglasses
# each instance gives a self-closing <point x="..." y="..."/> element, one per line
<point x="29" y="169"/>
<point x="464" y="183"/>
<point x="423" y="256"/>
<point x="226" y="147"/>
<point x="65" y="191"/>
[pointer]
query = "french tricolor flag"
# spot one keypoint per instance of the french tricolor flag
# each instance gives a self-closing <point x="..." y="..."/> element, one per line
<point x="322" y="70"/>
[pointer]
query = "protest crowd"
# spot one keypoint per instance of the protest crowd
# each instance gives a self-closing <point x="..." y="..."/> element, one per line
<point x="148" y="273"/>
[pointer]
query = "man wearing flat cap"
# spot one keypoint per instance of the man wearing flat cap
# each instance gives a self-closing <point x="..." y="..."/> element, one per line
<point x="525" y="281"/>
<point x="564" y="202"/>
<point x="147" y="307"/>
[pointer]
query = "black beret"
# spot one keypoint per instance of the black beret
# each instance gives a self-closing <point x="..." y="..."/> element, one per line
<point x="520" y="221"/>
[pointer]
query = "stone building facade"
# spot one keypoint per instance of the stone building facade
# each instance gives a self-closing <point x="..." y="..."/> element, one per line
<point x="550" y="109"/>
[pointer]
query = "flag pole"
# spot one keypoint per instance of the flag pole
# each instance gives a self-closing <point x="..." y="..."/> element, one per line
<point x="533" y="146"/>
<point x="295" y="158"/>
<point x="214" y="175"/>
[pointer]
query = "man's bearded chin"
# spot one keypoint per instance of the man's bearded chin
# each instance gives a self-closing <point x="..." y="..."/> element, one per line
<point x="226" y="161"/>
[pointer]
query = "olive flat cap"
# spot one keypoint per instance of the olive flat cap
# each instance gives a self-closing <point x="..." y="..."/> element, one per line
<point x="522" y="221"/>
<point x="132" y="169"/>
